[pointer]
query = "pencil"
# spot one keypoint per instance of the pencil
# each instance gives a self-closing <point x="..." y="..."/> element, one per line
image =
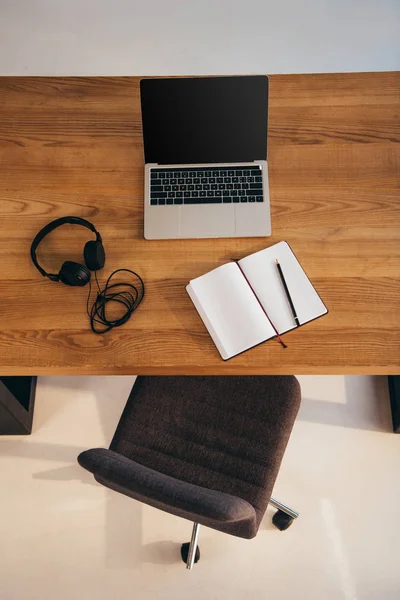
<point x="292" y="308"/>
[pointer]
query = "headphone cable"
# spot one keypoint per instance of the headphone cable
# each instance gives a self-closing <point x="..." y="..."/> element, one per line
<point x="125" y="294"/>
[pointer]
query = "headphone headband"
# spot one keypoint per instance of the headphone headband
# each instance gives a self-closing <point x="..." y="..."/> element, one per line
<point x="50" y="227"/>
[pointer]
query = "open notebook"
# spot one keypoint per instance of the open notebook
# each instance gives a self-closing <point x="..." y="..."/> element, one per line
<point x="230" y="308"/>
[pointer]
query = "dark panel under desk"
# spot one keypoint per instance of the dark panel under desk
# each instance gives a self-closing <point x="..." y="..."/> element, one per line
<point x="17" y="400"/>
<point x="394" y="392"/>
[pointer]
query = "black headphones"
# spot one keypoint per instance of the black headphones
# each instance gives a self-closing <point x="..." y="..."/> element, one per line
<point x="73" y="273"/>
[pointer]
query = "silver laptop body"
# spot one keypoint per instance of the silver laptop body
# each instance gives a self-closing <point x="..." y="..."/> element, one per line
<point x="233" y="219"/>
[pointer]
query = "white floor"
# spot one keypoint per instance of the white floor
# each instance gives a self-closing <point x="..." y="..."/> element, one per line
<point x="64" y="537"/>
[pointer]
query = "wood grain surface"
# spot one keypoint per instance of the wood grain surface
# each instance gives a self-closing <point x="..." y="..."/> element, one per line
<point x="73" y="146"/>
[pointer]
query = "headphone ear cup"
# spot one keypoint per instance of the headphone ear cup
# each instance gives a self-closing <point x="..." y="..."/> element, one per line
<point x="94" y="255"/>
<point x="75" y="274"/>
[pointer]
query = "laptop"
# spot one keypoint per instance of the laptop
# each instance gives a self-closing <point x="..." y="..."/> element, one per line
<point x="205" y="146"/>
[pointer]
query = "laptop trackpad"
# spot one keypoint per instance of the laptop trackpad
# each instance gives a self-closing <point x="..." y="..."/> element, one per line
<point x="206" y="220"/>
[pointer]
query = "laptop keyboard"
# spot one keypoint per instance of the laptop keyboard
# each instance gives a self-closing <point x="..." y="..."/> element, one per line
<point x="222" y="185"/>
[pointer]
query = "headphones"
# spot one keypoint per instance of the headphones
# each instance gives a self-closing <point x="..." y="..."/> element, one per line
<point x="73" y="273"/>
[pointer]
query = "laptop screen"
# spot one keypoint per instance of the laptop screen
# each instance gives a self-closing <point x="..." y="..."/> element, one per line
<point x="205" y="119"/>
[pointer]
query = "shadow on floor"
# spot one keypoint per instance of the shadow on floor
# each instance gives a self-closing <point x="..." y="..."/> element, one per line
<point x="369" y="412"/>
<point x="124" y="548"/>
<point x="110" y="393"/>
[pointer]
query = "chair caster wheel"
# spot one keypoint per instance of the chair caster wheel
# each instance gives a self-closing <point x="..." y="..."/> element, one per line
<point x="185" y="553"/>
<point x="281" y="520"/>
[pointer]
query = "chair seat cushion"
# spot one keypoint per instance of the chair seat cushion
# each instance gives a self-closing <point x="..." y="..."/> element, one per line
<point x="202" y="505"/>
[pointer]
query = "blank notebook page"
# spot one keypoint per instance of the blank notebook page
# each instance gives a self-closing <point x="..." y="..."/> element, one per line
<point x="262" y="272"/>
<point x="229" y="309"/>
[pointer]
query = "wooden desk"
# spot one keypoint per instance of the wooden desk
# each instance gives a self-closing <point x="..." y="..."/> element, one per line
<point x="74" y="146"/>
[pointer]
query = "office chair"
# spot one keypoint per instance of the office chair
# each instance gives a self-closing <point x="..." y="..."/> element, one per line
<point x="207" y="449"/>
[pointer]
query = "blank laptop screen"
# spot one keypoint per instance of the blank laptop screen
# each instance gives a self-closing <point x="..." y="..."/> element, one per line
<point x="205" y="119"/>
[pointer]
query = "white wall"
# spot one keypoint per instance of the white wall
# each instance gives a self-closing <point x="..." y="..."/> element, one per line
<point x="131" y="37"/>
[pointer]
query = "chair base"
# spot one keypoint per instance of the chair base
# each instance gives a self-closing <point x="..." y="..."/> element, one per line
<point x="190" y="552"/>
<point x="282" y="519"/>
<point x="284" y="516"/>
<point x="185" y="553"/>
<point x="282" y="507"/>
